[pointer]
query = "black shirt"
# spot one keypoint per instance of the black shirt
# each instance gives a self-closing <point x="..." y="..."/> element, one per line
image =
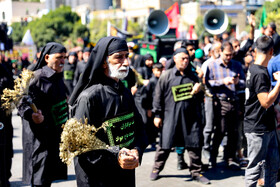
<point x="257" y="118"/>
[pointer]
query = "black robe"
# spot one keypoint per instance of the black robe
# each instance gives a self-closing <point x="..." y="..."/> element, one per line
<point x="6" y="131"/>
<point x="99" y="103"/>
<point x="146" y="73"/>
<point x="130" y="80"/>
<point x="68" y="75"/>
<point x="181" y="120"/>
<point x="147" y="104"/>
<point x="41" y="162"/>
<point x="78" y="71"/>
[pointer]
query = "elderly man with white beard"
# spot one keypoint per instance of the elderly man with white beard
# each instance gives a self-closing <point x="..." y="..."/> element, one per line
<point x="101" y="97"/>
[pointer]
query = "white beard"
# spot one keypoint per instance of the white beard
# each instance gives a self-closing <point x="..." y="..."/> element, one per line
<point x="117" y="73"/>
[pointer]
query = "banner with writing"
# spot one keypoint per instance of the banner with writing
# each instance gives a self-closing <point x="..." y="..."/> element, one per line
<point x="182" y="92"/>
<point x="120" y="130"/>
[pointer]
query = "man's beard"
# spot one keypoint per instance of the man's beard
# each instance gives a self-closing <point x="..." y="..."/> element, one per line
<point x="117" y="73"/>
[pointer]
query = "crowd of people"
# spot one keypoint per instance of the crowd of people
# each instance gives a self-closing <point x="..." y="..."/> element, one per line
<point x="222" y="92"/>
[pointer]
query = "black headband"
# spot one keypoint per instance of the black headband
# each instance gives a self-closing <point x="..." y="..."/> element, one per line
<point x="180" y="50"/>
<point x="56" y="48"/>
<point x="117" y="45"/>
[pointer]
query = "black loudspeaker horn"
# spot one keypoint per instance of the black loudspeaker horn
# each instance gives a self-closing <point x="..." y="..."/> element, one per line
<point x="158" y="23"/>
<point x="215" y="21"/>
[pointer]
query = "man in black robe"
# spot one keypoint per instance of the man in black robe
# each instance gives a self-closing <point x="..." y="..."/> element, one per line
<point x="146" y="73"/>
<point x="147" y="104"/>
<point x="6" y="131"/>
<point x="178" y="115"/>
<point x="69" y="71"/>
<point x="42" y="129"/>
<point x="101" y="97"/>
<point x="81" y="65"/>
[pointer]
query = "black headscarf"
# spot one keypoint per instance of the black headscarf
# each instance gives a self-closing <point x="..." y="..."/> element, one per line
<point x="73" y="53"/>
<point x="50" y="48"/>
<point x="87" y="49"/>
<point x="93" y="71"/>
<point x="147" y="56"/>
<point x="139" y="62"/>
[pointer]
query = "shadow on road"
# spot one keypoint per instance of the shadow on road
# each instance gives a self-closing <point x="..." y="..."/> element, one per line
<point x="70" y="178"/>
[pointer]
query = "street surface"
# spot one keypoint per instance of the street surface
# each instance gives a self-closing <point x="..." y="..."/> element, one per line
<point x="170" y="176"/>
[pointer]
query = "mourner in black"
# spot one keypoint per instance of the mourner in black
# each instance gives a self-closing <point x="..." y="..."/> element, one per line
<point x="146" y="73"/>
<point x="177" y="114"/>
<point x="147" y="103"/>
<point x="81" y="65"/>
<point x="6" y="132"/>
<point x="42" y="129"/>
<point x="69" y="71"/>
<point x="139" y="62"/>
<point x="101" y="97"/>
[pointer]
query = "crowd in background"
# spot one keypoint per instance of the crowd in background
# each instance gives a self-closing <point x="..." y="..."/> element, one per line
<point x="221" y="107"/>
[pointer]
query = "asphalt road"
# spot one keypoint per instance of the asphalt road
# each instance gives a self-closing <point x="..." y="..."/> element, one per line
<point x="170" y="176"/>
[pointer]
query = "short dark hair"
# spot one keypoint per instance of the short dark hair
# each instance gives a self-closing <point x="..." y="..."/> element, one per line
<point x="225" y="45"/>
<point x="157" y="65"/>
<point x="186" y="43"/>
<point x="272" y="25"/>
<point x="264" y="44"/>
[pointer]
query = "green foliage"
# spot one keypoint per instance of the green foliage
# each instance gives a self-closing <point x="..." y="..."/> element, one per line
<point x="273" y="13"/>
<point x="80" y="30"/>
<point x="64" y="26"/>
<point x="57" y="25"/>
<point x="134" y="28"/>
<point x="98" y="28"/>
<point x="18" y="32"/>
<point x="199" y="28"/>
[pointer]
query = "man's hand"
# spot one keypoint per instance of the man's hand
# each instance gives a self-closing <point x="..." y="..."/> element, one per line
<point x="128" y="159"/>
<point x="236" y="79"/>
<point x="37" y="117"/>
<point x="276" y="75"/>
<point x="196" y="88"/>
<point x="228" y="80"/>
<point x="146" y="82"/>
<point x="199" y="72"/>
<point x="251" y="20"/>
<point x="158" y="122"/>
<point x="133" y="90"/>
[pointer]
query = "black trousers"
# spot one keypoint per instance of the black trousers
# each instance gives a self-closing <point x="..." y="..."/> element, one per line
<point x="6" y="148"/>
<point x="225" y="123"/>
<point x="194" y="156"/>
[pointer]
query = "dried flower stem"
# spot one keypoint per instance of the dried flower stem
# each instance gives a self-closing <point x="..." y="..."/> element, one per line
<point x="78" y="138"/>
<point x="11" y="98"/>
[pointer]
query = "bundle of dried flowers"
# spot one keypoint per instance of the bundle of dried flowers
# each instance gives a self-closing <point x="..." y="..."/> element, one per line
<point x="78" y="138"/>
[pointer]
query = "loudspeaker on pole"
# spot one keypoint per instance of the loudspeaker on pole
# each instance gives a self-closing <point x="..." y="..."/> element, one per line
<point x="215" y="21"/>
<point x="157" y="23"/>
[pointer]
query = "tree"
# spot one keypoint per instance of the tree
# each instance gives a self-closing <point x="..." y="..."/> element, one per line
<point x="57" y="25"/>
<point x="18" y="32"/>
<point x="98" y="28"/>
<point x="273" y="13"/>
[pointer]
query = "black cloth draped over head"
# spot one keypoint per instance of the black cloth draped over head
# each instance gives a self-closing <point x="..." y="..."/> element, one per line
<point x="93" y="72"/>
<point x="50" y="48"/>
<point x="139" y="62"/>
